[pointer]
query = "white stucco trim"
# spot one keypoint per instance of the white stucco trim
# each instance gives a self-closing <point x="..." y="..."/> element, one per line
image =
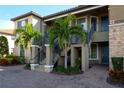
<point x="48" y="66"/>
<point x="118" y="24"/>
<point x="47" y="45"/>
<point x="36" y="46"/>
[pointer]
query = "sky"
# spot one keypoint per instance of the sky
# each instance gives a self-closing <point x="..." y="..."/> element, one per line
<point x="9" y="11"/>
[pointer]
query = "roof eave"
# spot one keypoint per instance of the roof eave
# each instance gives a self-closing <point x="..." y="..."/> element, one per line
<point x="48" y="18"/>
<point x="25" y="15"/>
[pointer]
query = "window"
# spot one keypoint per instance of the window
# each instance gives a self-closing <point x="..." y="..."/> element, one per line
<point x="93" y="23"/>
<point x="22" y="22"/>
<point x="82" y="22"/>
<point x="19" y="24"/>
<point x="104" y="23"/>
<point x="93" y="52"/>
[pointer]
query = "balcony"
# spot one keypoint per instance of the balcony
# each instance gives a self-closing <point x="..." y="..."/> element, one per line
<point x="97" y="37"/>
<point x="100" y="36"/>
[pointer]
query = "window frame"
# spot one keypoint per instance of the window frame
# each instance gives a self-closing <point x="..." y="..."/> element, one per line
<point x="22" y="22"/>
<point x="97" y="51"/>
<point x="85" y="21"/>
<point x="101" y="22"/>
<point x="97" y="28"/>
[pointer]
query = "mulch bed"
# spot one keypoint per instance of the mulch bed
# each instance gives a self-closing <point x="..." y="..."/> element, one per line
<point x="115" y="83"/>
<point x="60" y="73"/>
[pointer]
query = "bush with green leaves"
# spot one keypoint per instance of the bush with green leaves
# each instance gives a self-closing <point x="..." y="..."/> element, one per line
<point x="78" y="63"/>
<point x="69" y="70"/>
<point x="11" y="60"/>
<point x="117" y="63"/>
<point x="4" y="49"/>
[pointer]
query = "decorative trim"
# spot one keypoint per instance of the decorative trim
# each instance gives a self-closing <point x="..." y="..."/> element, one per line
<point x="116" y="24"/>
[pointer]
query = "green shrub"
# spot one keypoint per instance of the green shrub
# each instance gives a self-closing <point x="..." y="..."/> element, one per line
<point x="21" y="60"/>
<point x="28" y="66"/>
<point x="69" y="70"/>
<point x="78" y="63"/>
<point x="4" y="62"/>
<point x="12" y="60"/>
<point x="117" y="63"/>
<point x="4" y="49"/>
<point x="59" y="68"/>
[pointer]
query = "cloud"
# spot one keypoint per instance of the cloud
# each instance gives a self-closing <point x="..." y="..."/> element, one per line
<point x="5" y="24"/>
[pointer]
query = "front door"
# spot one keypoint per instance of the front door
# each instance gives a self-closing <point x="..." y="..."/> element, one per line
<point x="105" y="54"/>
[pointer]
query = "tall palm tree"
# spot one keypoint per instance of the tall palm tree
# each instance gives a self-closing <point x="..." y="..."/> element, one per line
<point x="25" y="35"/>
<point x="62" y="31"/>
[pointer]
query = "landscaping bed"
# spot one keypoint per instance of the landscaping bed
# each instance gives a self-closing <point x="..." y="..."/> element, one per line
<point x="69" y="71"/>
<point x="76" y="69"/>
<point x="11" y="60"/>
<point x="116" y="78"/>
<point x="116" y="75"/>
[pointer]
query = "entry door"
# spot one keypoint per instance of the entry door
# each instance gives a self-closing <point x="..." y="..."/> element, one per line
<point x="105" y="54"/>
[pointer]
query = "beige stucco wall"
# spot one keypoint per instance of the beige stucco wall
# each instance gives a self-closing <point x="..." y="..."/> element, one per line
<point x="36" y="22"/>
<point x="116" y="12"/>
<point x="84" y="55"/>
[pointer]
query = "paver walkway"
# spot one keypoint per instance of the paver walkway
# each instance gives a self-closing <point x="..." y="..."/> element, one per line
<point x="18" y="77"/>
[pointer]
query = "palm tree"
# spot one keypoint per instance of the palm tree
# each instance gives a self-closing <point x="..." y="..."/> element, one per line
<point x="25" y="35"/>
<point x="62" y="31"/>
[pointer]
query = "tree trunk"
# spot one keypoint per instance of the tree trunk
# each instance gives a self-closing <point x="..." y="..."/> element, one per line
<point x="65" y="56"/>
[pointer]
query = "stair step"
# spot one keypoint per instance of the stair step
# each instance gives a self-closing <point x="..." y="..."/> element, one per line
<point x="39" y="68"/>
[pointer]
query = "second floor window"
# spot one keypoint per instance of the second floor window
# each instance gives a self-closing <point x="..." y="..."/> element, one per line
<point x="104" y="23"/>
<point x="94" y="23"/>
<point x="83" y="23"/>
<point x="22" y="23"/>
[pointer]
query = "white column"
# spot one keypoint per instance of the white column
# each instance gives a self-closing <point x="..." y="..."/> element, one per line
<point x="84" y="58"/>
<point x="48" y="66"/>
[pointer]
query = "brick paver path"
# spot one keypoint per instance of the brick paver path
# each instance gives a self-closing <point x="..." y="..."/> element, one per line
<point x="18" y="77"/>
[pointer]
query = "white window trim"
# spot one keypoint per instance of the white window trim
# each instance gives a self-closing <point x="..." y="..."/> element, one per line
<point x="97" y="22"/>
<point x="85" y="20"/>
<point x="97" y="58"/>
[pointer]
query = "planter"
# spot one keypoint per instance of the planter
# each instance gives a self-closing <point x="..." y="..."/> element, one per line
<point x="33" y="66"/>
<point x="117" y="76"/>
